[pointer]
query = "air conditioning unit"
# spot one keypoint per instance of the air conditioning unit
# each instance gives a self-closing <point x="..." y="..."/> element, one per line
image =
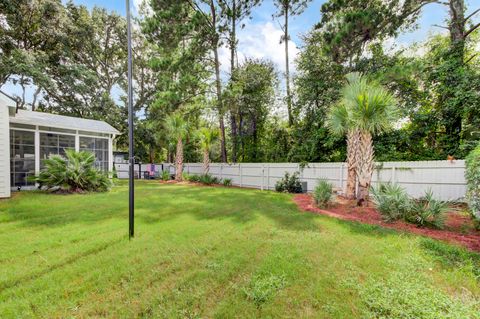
<point x="304" y="187"/>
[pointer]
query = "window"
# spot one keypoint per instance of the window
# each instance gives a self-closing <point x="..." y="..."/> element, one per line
<point x="54" y="144"/>
<point x="22" y="157"/>
<point x="98" y="146"/>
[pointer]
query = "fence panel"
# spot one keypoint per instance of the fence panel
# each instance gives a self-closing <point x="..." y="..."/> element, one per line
<point x="445" y="178"/>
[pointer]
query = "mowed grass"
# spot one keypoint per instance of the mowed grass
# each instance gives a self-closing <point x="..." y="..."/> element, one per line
<point x="205" y="252"/>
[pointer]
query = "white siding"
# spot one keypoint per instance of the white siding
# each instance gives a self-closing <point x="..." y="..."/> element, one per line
<point x="4" y="150"/>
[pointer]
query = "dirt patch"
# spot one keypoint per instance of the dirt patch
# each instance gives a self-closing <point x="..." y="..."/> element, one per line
<point x="458" y="227"/>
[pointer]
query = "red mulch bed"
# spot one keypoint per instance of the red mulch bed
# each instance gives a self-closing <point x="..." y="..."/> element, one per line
<point x="458" y="228"/>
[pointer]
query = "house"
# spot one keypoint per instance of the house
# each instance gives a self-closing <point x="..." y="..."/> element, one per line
<point x="27" y="138"/>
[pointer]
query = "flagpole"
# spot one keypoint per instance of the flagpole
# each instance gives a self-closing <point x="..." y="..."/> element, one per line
<point x="131" y="156"/>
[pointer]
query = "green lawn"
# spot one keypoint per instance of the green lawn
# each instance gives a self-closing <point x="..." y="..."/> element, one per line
<point x="202" y="252"/>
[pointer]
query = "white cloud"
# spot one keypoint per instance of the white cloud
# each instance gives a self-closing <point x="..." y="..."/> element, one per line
<point x="137" y="4"/>
<point x="141" y="6"/>
<point x="261" y="41"/>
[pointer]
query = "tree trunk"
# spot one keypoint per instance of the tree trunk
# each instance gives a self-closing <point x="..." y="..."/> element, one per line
<point x="150" y="154"/>
<point x="206" y="162"/>
<point x="240" y="133"/>
<point x="287" y="68"/>
<point x="234" y="133"/>
<point x="457" y="53"/>
<point x="457" y="24"/>
<point x="233" y="46"/>
<point x="365" y="168"/>
<point x="353" y="138"/>
<point x="223" y="148"/>
<point x="215" y="39"/>
<point x="179" y="161"/>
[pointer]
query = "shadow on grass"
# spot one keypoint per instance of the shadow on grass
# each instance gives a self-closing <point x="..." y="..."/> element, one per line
<point x="50" y="210"/>
<point x="452" y="256"/>
<point x="240" y="206"/>
<point x="356" y="227"/>
<point x="156" y="203"/>
<point x="33" y="276"/>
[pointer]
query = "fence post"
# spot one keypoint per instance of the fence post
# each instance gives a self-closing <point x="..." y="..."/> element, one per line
<point x="268" y="177"/>
<point x="341" y="177"/>
<point x="240" y="172"/>
<point x="221" y="170"/>
<point x="394" y="174"/>
<point x="263" y="170"/>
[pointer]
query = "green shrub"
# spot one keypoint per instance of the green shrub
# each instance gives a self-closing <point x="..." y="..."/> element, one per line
<point x="391" y="200"/>
<point x="186" y="177"/>
<point x="208" y="179"/>
<point x="427" y="211"/>
<point x="73" y="173"/>
<point x="165" y="175"/>
<point x="289" y="184"/>
<point x="194" y="178"/>
<point x="323" y="192"/>
<point x="472" y="175"/>
<point x="262" y="288"/>
<point x="227" y="182"/>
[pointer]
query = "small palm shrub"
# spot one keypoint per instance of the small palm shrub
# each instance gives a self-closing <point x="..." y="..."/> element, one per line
<point x="165" y="175"/>
<point x="194" y="178"/>
<point x="186" y="176"/>
<point x="472" y="175"/>
<point x="427" y="211"/>
<point x="73" y="173"/>
<point x="227" y="182"/>
<point x="391" y="200"/>
<point x="289" y="184"/>
<point x="208" y="179"/>
<point x="323" y="192"/>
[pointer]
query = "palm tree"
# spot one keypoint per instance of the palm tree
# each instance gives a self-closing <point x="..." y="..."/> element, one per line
<point x="339" y="122"/>
<point x="365" y="109"/>
<point x="207" y="138"/>
<point x="177" y="129"/>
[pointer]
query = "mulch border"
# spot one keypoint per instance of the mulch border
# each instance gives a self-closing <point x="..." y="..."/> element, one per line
<point x="369" y="215"/>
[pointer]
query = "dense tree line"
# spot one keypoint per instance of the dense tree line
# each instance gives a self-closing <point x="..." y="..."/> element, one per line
<point x="67" y="59"/>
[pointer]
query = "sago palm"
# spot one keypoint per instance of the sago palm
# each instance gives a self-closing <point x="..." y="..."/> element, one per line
<point x="177" y="130"/>
<point x="207" y="138"/>
<point x="74" y="172"/>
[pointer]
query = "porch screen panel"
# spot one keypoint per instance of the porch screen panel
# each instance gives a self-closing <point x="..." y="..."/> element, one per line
<point x="22" y="157"/>
<point x="54" y="144"/>
<point x="99" y="147"/>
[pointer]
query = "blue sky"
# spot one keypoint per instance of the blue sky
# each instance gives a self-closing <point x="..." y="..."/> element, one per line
<point x="261" y="35"/>
<point x="432" y="14"/>
<point x="260" y="38"/>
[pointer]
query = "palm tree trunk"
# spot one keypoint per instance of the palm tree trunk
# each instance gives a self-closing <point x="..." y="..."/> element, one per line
<point x="365" y="168"/>
<point x="353" y="138"/>
<point x="179" y="161"/>
<point x="206" y="162"/>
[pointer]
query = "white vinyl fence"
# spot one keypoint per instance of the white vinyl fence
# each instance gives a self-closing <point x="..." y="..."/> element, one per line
<point x="445" y="178"/>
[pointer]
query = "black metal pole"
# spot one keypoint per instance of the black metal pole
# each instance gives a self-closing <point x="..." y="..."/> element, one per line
<point x="131" y="156"/>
